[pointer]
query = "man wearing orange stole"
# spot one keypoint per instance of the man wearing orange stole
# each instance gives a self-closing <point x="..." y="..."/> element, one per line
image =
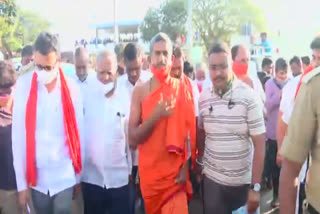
<point x="161" y="119"/>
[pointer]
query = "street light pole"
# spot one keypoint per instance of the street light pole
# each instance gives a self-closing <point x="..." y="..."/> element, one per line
<point x="189" y="26"/>
<point x="115" y="19"/>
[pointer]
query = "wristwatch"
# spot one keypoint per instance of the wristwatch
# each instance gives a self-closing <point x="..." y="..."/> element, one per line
<point x="255" y="187"/>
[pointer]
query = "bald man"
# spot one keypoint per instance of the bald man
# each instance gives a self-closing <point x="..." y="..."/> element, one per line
<point x="241" y="66"/>
<point x="201" y="70"/>
<point x="108" y="162"/>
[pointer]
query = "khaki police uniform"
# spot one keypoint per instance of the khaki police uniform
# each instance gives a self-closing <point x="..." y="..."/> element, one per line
<point x="304" y="132"/>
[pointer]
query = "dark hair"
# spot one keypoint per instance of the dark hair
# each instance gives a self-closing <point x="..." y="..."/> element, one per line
<point x="187" y="68"/>
<point x="263" y="34"/>
<point x="131" y="52"/>
<point x="160" y="37"/>
<point x="296" y="60"/>
<point x="79" y="51"/>
<point x="7" y="74"/>
<point x="234" y="51"/>
<point x="281" y="64"/>
<point x="219" y="48"/>
<point x="266" y="61"/>
<point x="46" y="43"/>
<point x="27" y="51"/>
<point x="118" y="50"/>
<point x="177" y="52"/>
<point x="305" y="60"/>
<point x="315" y="44"/>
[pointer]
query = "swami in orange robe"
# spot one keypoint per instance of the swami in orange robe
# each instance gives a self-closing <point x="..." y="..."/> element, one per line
<point x="164" y="153"/>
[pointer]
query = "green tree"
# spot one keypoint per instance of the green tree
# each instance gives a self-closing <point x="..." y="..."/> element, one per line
<point x="31" y="25"/>
<point x="170" y="18"/>
<point x="8" y="17"/>
<point x="151" y="24"/>
<point x="217" y="20"/>
<point x="18" y="27"/>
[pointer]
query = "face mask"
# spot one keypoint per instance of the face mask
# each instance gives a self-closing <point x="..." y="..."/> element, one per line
<point x="107" y="87"/>
<point x="160" y="74"/>
<point x="281" y="83"/>
<point x="6" y="100"/>
<point x="200" y="82"/>
<point x="46" y="77"/>
<point x="240" y="69"/>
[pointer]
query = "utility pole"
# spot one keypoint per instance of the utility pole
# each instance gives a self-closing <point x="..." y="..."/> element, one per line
<point x="115" y="19"/>
<point x="189" y="26"/>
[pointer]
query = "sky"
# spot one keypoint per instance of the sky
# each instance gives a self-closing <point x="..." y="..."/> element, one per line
<point x="297" y="20"/>
<point x="71" y="18"/>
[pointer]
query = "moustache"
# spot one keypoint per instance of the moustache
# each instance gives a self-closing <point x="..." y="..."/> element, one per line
<point x="161" y="65"/>
<point x="219" y="78"/>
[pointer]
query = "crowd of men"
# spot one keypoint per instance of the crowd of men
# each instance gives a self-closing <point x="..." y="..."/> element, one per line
<point x="154" y="131"/>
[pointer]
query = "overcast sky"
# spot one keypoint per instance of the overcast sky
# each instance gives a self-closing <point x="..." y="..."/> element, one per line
<point x="297" y="20"/>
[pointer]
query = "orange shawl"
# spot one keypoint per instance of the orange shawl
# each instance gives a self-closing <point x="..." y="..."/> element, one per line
<point x="165" y="151"/>
<point x="70" y="128"/>
<point x="308" y="70"/>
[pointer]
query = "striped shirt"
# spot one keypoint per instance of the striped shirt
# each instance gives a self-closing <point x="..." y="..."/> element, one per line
<point x="228" y="122"/>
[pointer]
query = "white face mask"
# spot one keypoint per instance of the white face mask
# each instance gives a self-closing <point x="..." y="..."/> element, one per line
<point x="46" y="77"/>
<point x="107" y="87"/>
<point x="200" y="82"/>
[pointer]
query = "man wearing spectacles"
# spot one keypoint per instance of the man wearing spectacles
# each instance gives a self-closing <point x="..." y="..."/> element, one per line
<point x="47" y="132"/>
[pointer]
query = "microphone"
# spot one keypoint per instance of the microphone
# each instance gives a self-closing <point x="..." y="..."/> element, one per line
<point x="231" y="104"/>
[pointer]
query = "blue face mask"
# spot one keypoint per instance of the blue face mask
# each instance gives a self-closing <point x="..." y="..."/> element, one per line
<point x="281" y="84"/>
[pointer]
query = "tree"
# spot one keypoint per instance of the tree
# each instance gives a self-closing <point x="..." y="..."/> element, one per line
<point x="170" y="18"/>
<point x="217" y="20"/>
<point x="31" y="25"/>
<point x="151" y="24"/>
<point x="8" y="17"/>
<point x="18" y="27"/>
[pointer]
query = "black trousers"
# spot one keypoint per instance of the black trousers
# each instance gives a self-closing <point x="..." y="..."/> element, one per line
<point x="271" y="169"/>
<point x="222" y="199"/>
<point x="98" y="200"/>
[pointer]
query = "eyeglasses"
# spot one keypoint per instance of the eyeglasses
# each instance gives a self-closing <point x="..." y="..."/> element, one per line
<point x="46" y="68"/>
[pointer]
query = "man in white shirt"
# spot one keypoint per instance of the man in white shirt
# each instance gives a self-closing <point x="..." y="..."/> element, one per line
<point x="201" y="70"/>
<point x="108" y="164"/>
<point x="46" y="132"/>
<point x="81" y="62"/>
<point x="134" y="75"/>
<point x="82" y="75"/>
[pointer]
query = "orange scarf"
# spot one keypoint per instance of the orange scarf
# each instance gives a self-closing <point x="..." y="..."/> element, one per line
<point x="183" y="120"/>
<point x="70" y="128"/>
<point x="308" y="70"/>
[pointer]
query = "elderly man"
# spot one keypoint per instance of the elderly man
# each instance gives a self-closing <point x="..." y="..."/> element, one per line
<point x="201" y="70"/>
<point x="108" y="164"/>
